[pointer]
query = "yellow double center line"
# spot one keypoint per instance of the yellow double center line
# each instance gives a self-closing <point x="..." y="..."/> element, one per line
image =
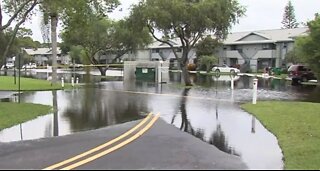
<point x="107" y="151"/>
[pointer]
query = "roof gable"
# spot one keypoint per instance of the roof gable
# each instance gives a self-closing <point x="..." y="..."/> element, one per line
<point x="254" y="36"/>
<point x="170" y="41"/>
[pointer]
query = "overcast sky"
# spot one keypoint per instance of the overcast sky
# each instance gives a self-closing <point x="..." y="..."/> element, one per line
<point x="260" y="15"/>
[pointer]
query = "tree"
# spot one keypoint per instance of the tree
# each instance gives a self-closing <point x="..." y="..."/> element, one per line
<point x="100" y="36"/>
<point x="75" y="54"/>
<point x="19" y="11"/>
<point x="22" y="40"/>
<point x="125" y="39"/>
<point x="207" y="46"/>
<point x="308" y="46"/>
<point x="68" y="9"/>
<point x="289" y="20"/>
<point x="293" y="57"/>
<point x="187" y="20"/>
<point x="93" y="36"/>
<point x="208" y="61"/>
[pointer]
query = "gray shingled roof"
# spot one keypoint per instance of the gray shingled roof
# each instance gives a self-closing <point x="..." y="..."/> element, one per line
<point x="272" y="36"/>
<point x="41" y="51"/>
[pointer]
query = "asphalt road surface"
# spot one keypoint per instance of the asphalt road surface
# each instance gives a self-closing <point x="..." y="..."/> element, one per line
<point x="161" y="147"/>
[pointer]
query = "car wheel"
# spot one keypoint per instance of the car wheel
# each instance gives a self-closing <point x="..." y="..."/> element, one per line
<point x="217" y="71"/>
<point x="232" y="72"/>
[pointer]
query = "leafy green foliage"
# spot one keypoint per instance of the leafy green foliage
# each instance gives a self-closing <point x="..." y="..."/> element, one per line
<point x="22" y="40"/>
<point x="76" y="54"/>
<point x="293" y="57"/>
<point x="100" y="36"/>
<point x="308" y="46"/>
<point x="207" y="46"/>
<point x="208" y="61"/>
<point x="289" y="19"/>
<point x="126" y="39"/>
<point x="18" y="11"/>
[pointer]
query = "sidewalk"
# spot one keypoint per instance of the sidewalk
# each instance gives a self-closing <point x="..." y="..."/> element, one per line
<point x="6" y="94"/>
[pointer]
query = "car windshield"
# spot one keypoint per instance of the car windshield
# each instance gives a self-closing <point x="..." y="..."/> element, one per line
<point x="293" y="68"/>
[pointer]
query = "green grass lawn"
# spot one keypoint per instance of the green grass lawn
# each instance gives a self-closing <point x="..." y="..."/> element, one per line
<point x="28" y="84"/>
<point x="13" y="113"/>
<point x="297" y="127"/>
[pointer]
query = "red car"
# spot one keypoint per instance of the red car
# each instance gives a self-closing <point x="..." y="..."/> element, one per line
<point x="301" y="73"/>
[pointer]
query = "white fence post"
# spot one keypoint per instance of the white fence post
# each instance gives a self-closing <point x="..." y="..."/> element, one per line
<point x="160" y="72"/>
<point x="62" y="82"/>
<point x="232" y="82"/>
<point x="255" y="91"/>
<point x="72" y="81"/>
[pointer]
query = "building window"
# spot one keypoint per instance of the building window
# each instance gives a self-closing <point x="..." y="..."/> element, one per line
<point x="155" y="50"/>
<point x="233" y="47"/>
<point x="265" y="47"/>
<point x="285" y="45"/>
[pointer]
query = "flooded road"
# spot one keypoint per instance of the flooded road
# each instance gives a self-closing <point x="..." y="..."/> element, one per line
<point x="209" y="111"/>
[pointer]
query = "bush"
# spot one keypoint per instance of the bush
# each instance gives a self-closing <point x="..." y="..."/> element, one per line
<point x="192" y="67"/>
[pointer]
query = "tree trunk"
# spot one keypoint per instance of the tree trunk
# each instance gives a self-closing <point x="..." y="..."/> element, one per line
<point x="0" y="17"/>
<point x="183" y="65"/>
<point x="103" y="70"/>
<point x="185" y="74"/>
<point x="54" y="23"/>
<point x="2" y="48"/>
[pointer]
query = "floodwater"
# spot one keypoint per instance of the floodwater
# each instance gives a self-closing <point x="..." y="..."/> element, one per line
<point x="209" y="111"/>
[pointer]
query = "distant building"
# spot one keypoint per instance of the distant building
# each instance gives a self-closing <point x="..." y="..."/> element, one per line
<point x="43" y="56"/>
<point x="259" y="49"/>
<point x="253" y="50"/>
<point x="158" y="51"/>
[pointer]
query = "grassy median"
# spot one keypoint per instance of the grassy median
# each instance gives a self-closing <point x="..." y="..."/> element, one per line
<point x="28" y="84"/>
<point x="13" y="113"/>
<point x="297" y="127"/>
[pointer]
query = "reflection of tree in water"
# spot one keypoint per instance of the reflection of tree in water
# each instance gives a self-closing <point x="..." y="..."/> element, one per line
<point x="93" y="108"/>
<point x="52" y="128"/>
<point x="55" y="114"/>
<point x="218" y="139"/>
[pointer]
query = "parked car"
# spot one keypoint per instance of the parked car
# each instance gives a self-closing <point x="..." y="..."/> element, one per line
<point x="225" y="69"/>
<point x="9" y="65"/>
<point x="300" y="73"/>
<point x="29" y="66"/>
<point x="76" y="65"/>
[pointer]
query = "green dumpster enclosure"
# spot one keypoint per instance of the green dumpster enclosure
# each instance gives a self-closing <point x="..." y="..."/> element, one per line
<point x="277" y="71"/>
<point x="146" y="74"/>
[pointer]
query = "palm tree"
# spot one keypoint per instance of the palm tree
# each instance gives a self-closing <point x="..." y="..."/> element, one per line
<point x="50" y="10"/>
